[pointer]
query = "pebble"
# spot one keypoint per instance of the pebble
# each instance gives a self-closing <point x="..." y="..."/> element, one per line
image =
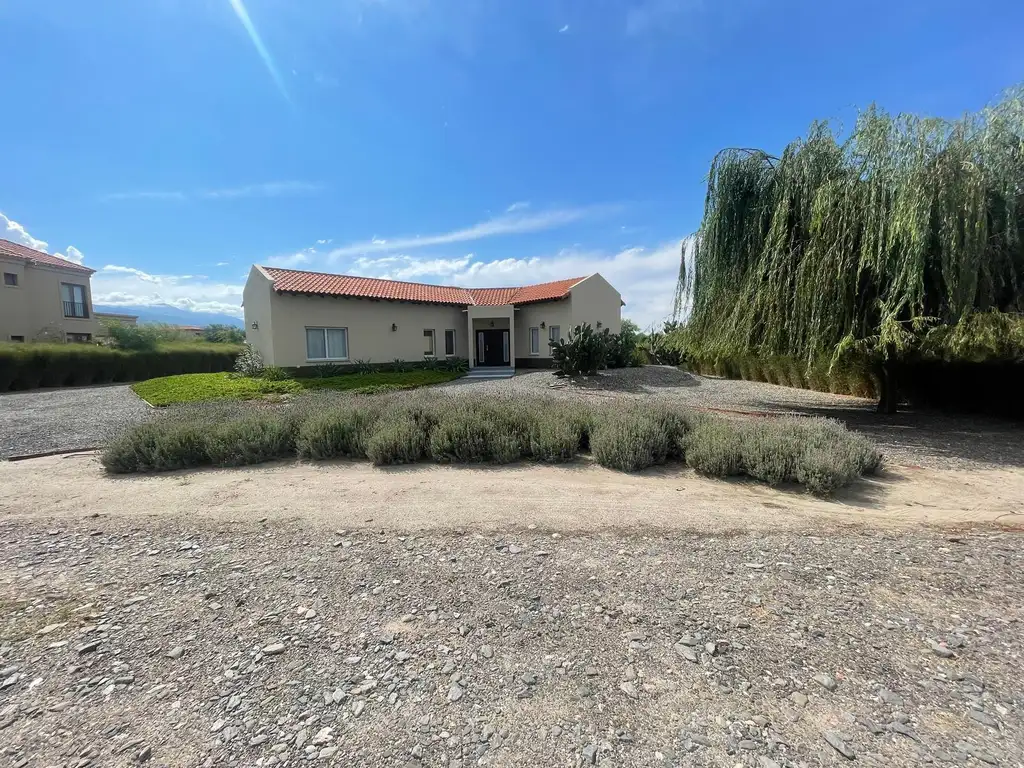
<point x="486" y="651"/>
<point x="629" y="689"/>
<point x="273" y="649"/>
<point x="983" y="717"/>
<point x="455" y="692"/>
<point x="890" y="698"/>
<point x="175" y="652"/>
<point x="89" y="647"/>
<point x="941" y="651"/>
<point x="590" y="754"/>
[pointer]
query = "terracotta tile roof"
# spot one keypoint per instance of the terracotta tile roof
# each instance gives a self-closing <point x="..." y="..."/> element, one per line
<point x="23" y="253"/>
<point x="322" y="284"/>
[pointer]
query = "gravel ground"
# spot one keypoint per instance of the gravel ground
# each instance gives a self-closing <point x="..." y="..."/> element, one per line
<point x="188" y="642"/>
<point x="921" y="438"/>
<point x="65" y="419"/>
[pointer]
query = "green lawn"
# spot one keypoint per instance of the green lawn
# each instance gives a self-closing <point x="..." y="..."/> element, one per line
<point x="197" y="387"/>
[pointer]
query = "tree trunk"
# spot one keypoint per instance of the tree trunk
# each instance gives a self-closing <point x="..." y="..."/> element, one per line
<point x="888" y="398"/>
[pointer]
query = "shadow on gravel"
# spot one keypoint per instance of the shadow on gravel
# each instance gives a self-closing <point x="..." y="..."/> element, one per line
<point x="648" y="379"/>
<point x="958" y="437"/>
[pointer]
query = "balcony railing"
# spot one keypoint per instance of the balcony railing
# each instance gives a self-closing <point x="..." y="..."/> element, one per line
<point x="75" y="309"/>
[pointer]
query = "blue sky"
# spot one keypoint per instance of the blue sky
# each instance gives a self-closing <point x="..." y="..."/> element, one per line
<point x="172" y="143"/>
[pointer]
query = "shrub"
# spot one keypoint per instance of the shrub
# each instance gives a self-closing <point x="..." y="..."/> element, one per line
<point x="249" y="362"/>
<point x="622" y="347"/>
<point x="275" y="373"/>
<point x="28" y="366"/>
<point x="582" y="354"/>
<point x="223" y="334"/>
<point x="461" y="436"/>
<point x="142" y="337"/>
<point x="250" y="440"/>
<point x="341" y="431"/>
<point x="713" y="447"/>
<point x="559" y="433"/>
<point x="629" y="442"/>
<point x="397" y="440"/>
<point x="157" y="447"/>
<point x="769" y="450"/>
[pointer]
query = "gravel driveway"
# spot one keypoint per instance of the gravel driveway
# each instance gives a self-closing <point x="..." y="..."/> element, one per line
<point x="65" y="419"/>
<point x="190" y="642"/>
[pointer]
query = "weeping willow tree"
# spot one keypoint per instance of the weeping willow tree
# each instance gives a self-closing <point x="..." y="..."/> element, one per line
<point x="903" y="238"/>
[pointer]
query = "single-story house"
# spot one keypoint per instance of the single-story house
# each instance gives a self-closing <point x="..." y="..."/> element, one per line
<point x="296" y="318"/>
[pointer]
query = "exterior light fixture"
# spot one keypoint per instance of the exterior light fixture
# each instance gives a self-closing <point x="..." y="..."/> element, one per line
<point x="542" y="324"/>
<point x="394" y="327"/>
<point x="255" y="325"/>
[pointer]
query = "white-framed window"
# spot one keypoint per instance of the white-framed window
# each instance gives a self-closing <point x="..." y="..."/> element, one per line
<point x="535" y="341"/>
<point x="449" y="342"/>
<point x="429" y="348"/>
<point x="554" y="332"/>
<point x="11" y="279"/>
<point x="327" y="343"/>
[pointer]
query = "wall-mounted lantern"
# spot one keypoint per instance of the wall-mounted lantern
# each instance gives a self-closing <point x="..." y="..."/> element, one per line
<point x="492" y="323"/>
<point x="255" y="325"/>
<point x="394" y="326"/>
<point x="542" y="324"/>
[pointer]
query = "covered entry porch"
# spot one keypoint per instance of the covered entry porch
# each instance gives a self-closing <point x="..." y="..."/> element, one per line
<point x="492" y="340"/>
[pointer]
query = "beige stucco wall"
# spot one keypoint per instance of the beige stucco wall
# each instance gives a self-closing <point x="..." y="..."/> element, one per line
<point x="36" y="304"/>
<point x="256" y="308"/>
<point x="532" y="315"/>
<point x="594" y="301"/>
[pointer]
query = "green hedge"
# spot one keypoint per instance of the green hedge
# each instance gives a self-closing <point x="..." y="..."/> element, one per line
<point x="28" y="366"/>
<point x="819" y="454"/>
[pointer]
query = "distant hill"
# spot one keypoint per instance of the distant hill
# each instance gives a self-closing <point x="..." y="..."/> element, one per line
<point x="167" y="314"/>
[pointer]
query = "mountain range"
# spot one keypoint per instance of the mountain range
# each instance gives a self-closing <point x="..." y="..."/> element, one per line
<point x="165" y="313"/>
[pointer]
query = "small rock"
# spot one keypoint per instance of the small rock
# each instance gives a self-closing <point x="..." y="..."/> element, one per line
<point x="590" y="754"/>
<point x="144" y="754"/>
<point x="629" y="689"/>
<point x="514" y="549"/>
<point x="89" y="647"/>
<point x="836" y="742"/>
<point x="327" y="752"/>
<point x="175" y="652"/>
<point x="798" y="698"/>
<point x="486" y="651"/>
<point x="687" y="653"/>
<point x="983" y="717"/>
<point x="748" y="744"/>
<point x="273" y="649"/>
<point x="417" y="752"/>
<point x="890" y="698"/>
<point x="358" y="707"/>
<point x="941" y="650"/>
<point x="455" y="692"/>
<point x="529" y="678"/>
<point x="825" y="681"/>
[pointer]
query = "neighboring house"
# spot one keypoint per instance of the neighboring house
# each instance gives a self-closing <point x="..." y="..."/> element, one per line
<point x="106" y="319"/>
<point x="190" y="330"/>
<point x="297" y="318"/>
<point x="44" y="297"/>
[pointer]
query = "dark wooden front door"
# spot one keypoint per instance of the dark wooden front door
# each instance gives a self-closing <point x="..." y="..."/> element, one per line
<point x="492" y="347"/>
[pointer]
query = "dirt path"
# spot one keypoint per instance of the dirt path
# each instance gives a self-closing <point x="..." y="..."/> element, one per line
<point x="578" y="497"/>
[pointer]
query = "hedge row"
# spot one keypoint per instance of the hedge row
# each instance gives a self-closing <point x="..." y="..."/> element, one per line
<point x="27" y="366"/>
<point x="840" y="379"/>
<point x="404" y="428"/>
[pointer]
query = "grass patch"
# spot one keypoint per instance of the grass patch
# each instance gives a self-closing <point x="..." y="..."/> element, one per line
<point x="401" y="428"/>
<point x="203" y="387"/>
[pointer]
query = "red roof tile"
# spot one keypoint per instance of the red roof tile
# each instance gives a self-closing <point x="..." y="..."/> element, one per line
<point x="321" y="284"/>
<point x="17" y="251"/>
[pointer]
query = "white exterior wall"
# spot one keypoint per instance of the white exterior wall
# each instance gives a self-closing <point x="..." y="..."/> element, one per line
<point x="256" y="305"/>
<point x="594" y="301"/>
<point x="531" y="316"/>
<point x="36" y="304"/>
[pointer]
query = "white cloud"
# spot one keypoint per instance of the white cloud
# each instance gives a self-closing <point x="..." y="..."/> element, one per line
<point x="243" y="16"/>
<point x="646" y="277"/>
<point x="508" y="224"/>
<point x="564" y="29"/>
<point x="267" y="189"/>
<point x="520" y="206"/>
<point x="16" y="233"/>
<point x="264" y="189"/>
<point x="121" y="286"/>
<point x="222" y="263"/>
<point x="114" y="197"/>
<point x="292" y="260"/>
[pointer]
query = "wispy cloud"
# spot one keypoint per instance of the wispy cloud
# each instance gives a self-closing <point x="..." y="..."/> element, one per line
<point x="243" y="16"/>
<point x="520" y="206"/>
<point x="16" y="233"/>
<point x="508" y="224"/>
<point x="223" y="263"/>
<point x="264" y="189"/>
<point x="267" y="189"/>
<point x="563" y="30"/>
<point x="144" y="195"/>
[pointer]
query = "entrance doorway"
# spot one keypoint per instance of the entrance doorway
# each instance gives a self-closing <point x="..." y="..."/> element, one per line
<point x="492" y="348"/>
